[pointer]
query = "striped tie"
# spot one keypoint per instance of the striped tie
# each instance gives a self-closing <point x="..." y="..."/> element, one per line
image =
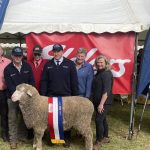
<point x="57" y="62"/>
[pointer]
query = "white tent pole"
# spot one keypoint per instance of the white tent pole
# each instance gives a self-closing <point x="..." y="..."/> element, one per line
<point x="134" y="97"/>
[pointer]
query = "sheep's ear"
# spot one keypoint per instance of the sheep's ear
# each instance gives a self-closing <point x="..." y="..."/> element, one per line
<point x="29" y="93"/>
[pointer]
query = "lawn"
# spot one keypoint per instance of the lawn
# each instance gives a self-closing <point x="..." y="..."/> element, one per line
<point x="118" y="119"/>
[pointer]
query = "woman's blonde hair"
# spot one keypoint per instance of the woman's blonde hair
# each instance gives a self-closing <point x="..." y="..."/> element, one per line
<point x="107" y="62"/>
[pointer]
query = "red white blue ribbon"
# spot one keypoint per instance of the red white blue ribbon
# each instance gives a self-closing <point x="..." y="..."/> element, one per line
<point x="55" y="119"/>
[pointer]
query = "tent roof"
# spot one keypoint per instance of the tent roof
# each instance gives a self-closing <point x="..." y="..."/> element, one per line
<point x="76" y="16"/>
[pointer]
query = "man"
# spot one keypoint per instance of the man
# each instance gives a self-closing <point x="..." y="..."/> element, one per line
<point x="59" y="79"/>
<point x="3" y="98"/>
<point x="85" y="73"/>
<point x="37" y="65"/>
<point x="16" y="73"/>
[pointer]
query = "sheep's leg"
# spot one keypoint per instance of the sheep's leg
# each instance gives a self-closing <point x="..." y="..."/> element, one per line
<point x="38" y="134"/>
<point x="89" y="139"/>
<point x="34" y="142"/>
<point x="87" y="133"/>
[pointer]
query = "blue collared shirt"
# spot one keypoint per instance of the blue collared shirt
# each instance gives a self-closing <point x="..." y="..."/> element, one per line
<point x="85" y="78"/>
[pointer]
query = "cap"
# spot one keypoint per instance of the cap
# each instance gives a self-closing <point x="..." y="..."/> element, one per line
<point x="57" y="47"/>
<point x="37" y="49"/>
<point x="17" y="51"/>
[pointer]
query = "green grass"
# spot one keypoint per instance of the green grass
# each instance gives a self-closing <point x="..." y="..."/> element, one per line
<point x="118" y="119"/>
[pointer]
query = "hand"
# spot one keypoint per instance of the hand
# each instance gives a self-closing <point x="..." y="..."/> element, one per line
<point x="100" y="108"/>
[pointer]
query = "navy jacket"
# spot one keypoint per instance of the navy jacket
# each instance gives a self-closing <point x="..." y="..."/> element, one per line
<point x="13" y="77"/>
<point x="59" y="80"/>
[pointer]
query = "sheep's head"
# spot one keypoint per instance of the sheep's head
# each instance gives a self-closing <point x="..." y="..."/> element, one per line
<point x="24" y="91"/>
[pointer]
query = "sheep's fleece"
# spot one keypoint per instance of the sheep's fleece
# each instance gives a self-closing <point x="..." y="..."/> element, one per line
<point x="77" y="113"/>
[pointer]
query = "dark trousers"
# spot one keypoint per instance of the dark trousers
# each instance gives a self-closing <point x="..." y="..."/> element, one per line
<point x="17" y="127"/>
<point x="4" y="113"/>
<point x="101" y="123"/>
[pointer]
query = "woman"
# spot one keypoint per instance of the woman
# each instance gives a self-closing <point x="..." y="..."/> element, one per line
<point x="102" y="98"/>
<point x="85" y="73"/>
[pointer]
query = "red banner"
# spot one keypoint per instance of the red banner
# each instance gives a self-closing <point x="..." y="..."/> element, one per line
<point x="118" y="47"/>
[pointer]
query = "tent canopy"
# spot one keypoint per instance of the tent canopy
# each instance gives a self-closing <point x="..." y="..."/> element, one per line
<point x="76" y="16"/>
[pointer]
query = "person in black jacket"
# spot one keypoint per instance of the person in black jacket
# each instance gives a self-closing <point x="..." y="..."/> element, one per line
<point x="15" y="73"/>
<point x="59" y="78"/>
<point x="102" y="98"/>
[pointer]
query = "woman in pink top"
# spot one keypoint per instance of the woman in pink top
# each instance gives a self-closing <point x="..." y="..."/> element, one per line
<point x="3" y="98"/>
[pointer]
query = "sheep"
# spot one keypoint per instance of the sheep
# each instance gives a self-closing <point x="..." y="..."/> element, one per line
<point x="77" y="114"/>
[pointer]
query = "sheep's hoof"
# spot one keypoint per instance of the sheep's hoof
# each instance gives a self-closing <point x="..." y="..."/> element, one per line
<point x="34" y="146"/>
<point x="38" y="149"/>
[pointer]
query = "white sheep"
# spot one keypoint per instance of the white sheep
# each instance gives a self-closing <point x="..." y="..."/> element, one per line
<point x="77" y="113"/>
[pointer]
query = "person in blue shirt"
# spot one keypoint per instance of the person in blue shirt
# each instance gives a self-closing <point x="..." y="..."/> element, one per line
<point x="85" y="73"/>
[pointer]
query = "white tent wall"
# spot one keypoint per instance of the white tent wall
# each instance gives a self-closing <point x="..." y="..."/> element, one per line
<point x="76" y="16"/>
<point x="73" y="16"/>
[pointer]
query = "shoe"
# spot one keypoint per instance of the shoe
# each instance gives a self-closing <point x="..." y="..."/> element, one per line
<point x="97" y="145"/>
<point x="66" y="144"/>
<point x="105" y="140"/>
<point x="13" y="145"/>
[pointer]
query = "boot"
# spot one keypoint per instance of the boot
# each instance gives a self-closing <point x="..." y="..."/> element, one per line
<point x="13" y="145"/>
<point x="105" y="140"/>
<point x="97" y="145"/>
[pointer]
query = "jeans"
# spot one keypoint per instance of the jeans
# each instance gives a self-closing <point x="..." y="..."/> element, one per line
<point x="101" y="123"/>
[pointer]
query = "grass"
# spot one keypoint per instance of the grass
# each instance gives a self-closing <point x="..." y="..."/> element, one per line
<point x="118" y="119"/>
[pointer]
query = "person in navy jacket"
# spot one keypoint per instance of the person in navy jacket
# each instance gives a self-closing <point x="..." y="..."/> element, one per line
<point x="59" y="78"/>
<point x="15" y="73"/>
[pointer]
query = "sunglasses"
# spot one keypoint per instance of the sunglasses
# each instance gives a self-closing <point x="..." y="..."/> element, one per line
<point x="37" y="54"/>
<point x="18" y="56"/>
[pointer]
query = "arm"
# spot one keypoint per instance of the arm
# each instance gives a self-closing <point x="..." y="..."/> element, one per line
<point x="73" y="80"/>
<point x="9" y="82"/>
<point x="31" y="77"/>
<point x="107" y="84"/>
<point x="44" y="80"/>
<point x="101" y="105"/>
<point x="89" y="81"/>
